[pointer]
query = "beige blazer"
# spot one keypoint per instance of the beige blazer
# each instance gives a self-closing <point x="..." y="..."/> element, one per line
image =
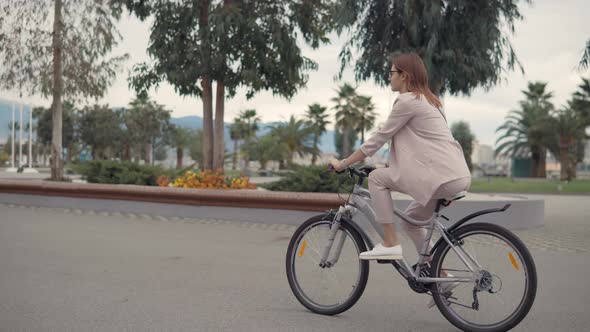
<point x="423" y="152"/>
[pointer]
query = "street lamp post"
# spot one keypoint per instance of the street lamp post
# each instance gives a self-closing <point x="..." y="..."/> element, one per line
<point x="30" y="169"/>
<point x="20" y="137"/>
<point x="12" y="169"/>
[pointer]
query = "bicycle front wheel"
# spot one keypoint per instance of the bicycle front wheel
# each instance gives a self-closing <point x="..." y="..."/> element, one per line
<point x="335" y="286"/>
<point x="504" y="286"/>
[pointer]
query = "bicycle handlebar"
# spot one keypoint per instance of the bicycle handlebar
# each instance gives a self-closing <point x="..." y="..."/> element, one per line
<point x="361" y="173"/>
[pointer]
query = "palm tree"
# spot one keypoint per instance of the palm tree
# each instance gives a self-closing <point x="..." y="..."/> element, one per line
<point x="367" y="115"/>
<point x="295" y="136"/>
<point x="346" y="113"/>
<point x="569" y="131"/>
<point x="180" y="138"/>
<point x="250" y="122"/>
<point x="265" y="149"/>
<point x="527" y="131"/>
<point x="581" y="101"/>
<point x="316" y="119"/>
<point x="236" y="133"/>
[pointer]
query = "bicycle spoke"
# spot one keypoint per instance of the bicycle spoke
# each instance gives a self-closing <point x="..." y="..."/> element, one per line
<point x="501" y="283"/>
<point x="336" y="283"/>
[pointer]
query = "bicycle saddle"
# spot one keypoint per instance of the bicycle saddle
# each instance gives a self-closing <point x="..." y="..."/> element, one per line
<point x="449" y="200"/>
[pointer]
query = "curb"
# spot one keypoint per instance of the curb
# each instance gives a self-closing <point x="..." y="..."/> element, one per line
<point x="201" y="197"/>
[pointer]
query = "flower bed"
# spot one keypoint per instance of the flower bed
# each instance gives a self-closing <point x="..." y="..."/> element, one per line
<point x="206" y="180"/>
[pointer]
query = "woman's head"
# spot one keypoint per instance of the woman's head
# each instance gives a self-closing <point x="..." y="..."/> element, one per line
<point x="408" y="74"/>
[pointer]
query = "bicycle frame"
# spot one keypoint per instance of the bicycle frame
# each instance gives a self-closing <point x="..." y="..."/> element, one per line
<point x="360" y="203"/>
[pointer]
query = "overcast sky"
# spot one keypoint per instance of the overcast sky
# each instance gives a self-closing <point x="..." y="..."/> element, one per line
<point x="549" y="43"/>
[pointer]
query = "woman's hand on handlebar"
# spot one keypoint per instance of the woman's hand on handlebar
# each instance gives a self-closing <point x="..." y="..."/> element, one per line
<point x="334" y="165"/>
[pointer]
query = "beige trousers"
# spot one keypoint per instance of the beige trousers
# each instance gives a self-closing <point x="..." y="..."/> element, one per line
<point x="381" y="185"/>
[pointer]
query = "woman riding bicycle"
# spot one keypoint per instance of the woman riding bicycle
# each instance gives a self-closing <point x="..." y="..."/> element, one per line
<point x="425" y="161"/>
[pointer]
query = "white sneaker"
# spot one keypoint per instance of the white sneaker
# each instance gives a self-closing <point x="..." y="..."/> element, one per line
<point x="381" y="252"/>
<point x="447" y="287"/>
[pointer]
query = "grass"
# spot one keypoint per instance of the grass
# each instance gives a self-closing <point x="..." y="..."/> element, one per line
<point x="506" y="185"/>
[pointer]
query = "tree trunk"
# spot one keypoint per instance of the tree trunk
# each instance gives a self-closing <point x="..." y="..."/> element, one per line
<point x="314" y="156"/>
<point x="573" y="170"/>
<point x="127" y="152"/>
<point x="148" y="154"/>
<point x="563" y="160"/>
<point x="179" y="155"/>
<point x="538" y="157"/>
<point x="363" y="135"/>
<point x="235" y="156"/>
<point x="207" y="90"/>
<point x="219" y="145"/>
<point x="345" y="142"/>
<point x="207" y="126"/>
<point x="246" y="159"/>
<point x="56" y="107"/>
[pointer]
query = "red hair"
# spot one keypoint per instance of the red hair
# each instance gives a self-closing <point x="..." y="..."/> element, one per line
<point x="413" y="66"/>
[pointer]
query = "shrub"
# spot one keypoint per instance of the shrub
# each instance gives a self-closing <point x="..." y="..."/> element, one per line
<point x="119" y="172"/>
<point x="311" y="179"/>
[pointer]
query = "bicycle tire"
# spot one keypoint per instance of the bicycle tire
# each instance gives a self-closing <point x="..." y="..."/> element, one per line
<point x="525" y="256"/>
<point x="292" y="277"/>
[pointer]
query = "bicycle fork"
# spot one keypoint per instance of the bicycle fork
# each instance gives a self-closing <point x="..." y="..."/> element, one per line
<point x="335" y="227"/>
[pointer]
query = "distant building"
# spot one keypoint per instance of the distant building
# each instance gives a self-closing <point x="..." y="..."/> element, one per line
<point x="482" y="154"/>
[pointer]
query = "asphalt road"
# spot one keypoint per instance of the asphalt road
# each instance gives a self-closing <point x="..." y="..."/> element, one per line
<point x="86" y="270"/>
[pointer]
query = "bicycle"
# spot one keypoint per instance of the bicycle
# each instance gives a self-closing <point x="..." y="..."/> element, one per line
<point x="336" y="240"/>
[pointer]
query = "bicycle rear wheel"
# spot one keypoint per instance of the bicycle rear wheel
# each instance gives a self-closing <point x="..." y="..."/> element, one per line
<point x="336" y="287"/>
<point x="505" y="286"/>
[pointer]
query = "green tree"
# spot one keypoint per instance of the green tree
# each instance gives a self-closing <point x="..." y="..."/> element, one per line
<point x="196" y="146"/>
<point x="568" y="132"/>
<point x="180" y="139"/>
<point x="581" y="102"/>
<point x="366" y="115"/>
<point x="347" y="114"/>
<point x="295" y="136"/>
<point x="161" y="152"/>
<point x="585" y="56"/>
<point x="101" y="130"/>
<point x="316" y="119"/>
<point x="231" y="43"/>
<point x="339" y="142"/>
<point x="463" y="43"/>
<point x="528" y="131"/>
<point x="44" y="126"/>
<point x="265" y="149"/>
<point x="147" y="122"/>
<point x="59" y="55"/>
<point x="462" y="133"/>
